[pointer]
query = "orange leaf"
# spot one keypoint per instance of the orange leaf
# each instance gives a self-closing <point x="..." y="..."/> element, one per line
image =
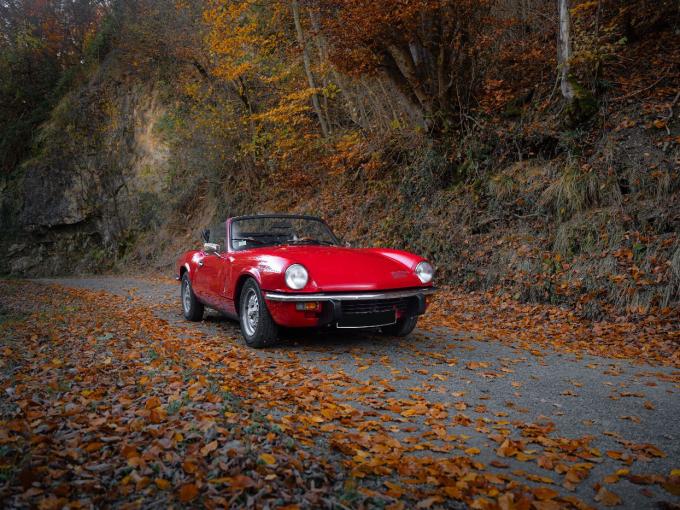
<point x="162" y="484"/>
<point x="211" y="446"/>
<point x="187" y="492"/>
<point x="544" y="493"/>
<point x="453" y="492"/>
<point x="152" y="403"/>
<point x="189" y="466"/>
<point x="92" y="447"/>
<point x="607" y="498"/>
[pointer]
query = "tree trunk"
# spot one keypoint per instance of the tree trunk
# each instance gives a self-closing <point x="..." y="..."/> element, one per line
<point x="308" y="66"/>
<point x="324" y="60"/>
<point x="564" y="50"/>
<point x="407" y="67"/>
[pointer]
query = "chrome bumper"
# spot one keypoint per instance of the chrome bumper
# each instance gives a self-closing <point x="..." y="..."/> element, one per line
<point x="349" y="296"/>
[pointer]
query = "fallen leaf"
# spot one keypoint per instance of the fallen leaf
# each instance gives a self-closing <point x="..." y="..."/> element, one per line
<point x="268" y="459"/>
<point x="607" y="498"/>
<point x="188" y="492"/>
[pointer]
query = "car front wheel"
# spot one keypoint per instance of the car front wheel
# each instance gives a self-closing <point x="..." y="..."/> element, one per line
<point x="191" y="306"/>
<point x="257" y="326"/>
<point x="402" y="327"/>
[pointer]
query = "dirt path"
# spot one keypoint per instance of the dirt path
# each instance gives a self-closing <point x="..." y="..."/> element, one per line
<point x="593" y="428"/>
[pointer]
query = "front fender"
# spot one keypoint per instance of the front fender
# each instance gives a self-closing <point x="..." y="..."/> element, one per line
<point x="187" y="263"/>
<point x="237" y="285"/>
<point x="410" y="260"/>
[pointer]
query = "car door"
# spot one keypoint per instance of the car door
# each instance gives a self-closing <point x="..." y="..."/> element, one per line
<point x="206" y="275"/>
<point x="211" y="269"/>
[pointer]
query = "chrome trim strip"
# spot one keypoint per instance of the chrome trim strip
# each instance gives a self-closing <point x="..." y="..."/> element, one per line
<point x="280" y="296"/>
<point x="337" y="325"/>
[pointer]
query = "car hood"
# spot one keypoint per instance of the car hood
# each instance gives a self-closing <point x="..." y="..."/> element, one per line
<point x="340" y="269"/>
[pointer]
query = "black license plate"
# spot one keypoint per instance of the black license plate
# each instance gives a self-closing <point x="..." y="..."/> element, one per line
<point x="367" y="320"/>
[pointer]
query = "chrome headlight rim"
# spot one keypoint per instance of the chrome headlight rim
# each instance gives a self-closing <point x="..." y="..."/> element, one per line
<point x="296" y="276"/>
<point x="424" y="271"/>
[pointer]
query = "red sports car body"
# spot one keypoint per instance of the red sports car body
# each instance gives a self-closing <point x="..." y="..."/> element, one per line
<point x="272" y="271"/>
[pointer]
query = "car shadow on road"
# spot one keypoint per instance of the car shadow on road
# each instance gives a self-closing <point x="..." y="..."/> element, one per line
<point x="292" y="339"/>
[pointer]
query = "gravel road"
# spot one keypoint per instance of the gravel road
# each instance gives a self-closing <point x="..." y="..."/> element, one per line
<point x="621" y="405"/>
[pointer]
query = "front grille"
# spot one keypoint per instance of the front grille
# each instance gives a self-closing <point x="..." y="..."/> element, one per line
<point x="369" y="306"/>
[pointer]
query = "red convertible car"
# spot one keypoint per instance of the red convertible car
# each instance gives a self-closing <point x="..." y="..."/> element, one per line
<point x="271" y="271"/>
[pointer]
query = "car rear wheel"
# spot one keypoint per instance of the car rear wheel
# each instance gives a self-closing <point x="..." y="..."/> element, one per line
<point x="257" y="326"/>
<point x="191" y="306"/>
<point x="402" y="327"/>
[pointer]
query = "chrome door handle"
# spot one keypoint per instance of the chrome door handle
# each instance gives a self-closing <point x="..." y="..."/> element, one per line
<point x="200" y="263"/>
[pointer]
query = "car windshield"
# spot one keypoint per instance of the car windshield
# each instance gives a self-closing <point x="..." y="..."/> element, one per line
<point x="277" y="230"/>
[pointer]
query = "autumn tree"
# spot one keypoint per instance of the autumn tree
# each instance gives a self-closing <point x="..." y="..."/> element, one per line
<point x="42" y="46"/>
<point x="262" y="54"/>
<point x="429" y="49"/>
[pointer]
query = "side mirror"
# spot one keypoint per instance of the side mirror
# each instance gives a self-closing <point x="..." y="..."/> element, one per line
<point x="209" y="248"/>
<point x="205" y="235"/>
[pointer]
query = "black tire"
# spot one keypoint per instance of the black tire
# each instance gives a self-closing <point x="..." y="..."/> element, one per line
<point x="403" y="327"/>
<point x="257" y="326"/>
<point x="191" y="306"/>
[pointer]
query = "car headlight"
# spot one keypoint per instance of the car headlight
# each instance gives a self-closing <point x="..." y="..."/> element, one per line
<point x="296" y="276"/>
<point x="425" y="272"/>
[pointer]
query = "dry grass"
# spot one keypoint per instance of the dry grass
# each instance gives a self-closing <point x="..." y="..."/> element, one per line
<point x="672" y="291"/>
<point x="520" y="185"/>
<point x="575" y="190"/>
<point x="590" y="231"/>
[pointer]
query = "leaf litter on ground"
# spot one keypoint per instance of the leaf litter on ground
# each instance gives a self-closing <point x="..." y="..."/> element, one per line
<point x="103" y="401"/>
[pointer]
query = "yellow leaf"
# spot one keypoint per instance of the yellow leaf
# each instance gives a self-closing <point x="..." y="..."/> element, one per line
<point x="224" y="479"/>
<point x="268" y="458"/>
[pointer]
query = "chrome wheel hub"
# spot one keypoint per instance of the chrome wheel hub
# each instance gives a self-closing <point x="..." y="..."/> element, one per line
<point x="251" y="313"/>
<point x="186" y="297"/>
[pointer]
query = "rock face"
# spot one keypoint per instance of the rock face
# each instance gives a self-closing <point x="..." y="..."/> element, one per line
<point x="99" y="177"/>
<point x="52" y="196"/>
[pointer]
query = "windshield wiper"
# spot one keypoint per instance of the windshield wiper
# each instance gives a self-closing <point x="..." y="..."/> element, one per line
<point x="258" y="241"/>
<point x="310" y="241"/>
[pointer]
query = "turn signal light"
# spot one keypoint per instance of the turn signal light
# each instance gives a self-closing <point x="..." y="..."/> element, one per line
<point x="311" y="306"/>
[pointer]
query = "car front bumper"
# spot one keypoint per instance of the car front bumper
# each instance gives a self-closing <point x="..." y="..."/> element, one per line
<point x="348" y="309"/>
